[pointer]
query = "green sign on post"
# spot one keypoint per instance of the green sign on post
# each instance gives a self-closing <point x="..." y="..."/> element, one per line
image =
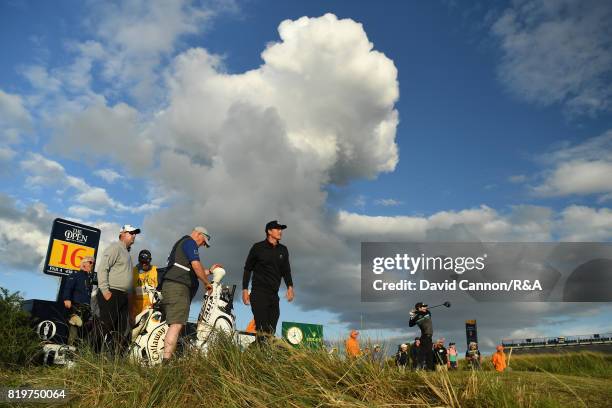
<point x="303" y="334"/>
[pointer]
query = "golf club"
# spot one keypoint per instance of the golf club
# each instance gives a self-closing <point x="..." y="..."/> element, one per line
<point x="446" y="304"/>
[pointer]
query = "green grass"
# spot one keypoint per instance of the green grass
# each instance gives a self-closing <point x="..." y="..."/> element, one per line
<point x="285" y="377"/>
<point x="578" y="364"/>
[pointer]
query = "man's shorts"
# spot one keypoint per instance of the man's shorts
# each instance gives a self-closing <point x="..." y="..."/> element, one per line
<point x="176" y="301"/>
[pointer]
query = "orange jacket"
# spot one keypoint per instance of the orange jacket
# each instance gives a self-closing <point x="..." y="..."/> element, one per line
<point x="352" y="347"/>
<point x="499" y="361"/>
<point x="251" y="327"/>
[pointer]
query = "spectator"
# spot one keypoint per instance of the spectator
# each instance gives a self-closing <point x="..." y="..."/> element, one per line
<point x="77" y="296"/>
<point x="378" y="358"/>
<point x="499" y="359"/>
<point x="402" y="357"/>
<point x="352" y="345"/>
<point x="440" y="356"/>
<point x="251" y="327"/>
<point x="473" y="357"/>
<point x="452" y="356"/>
<point x="415" y="353"/>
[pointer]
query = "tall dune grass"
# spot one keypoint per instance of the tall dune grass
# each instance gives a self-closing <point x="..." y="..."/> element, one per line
<point x="280" y="376"/>
<point x="576" y="363"/>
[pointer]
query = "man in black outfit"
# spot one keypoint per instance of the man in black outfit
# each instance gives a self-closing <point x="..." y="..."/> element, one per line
<point x="268" y="261"/>
<point x="421" y="317"/>
<point x="415" y="353"/>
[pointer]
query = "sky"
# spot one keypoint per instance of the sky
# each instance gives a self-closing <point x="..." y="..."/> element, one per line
<point x="349" y="121"/>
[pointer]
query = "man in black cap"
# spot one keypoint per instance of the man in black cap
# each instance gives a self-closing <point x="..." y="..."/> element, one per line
<point x="421" y="317"/>
<point x="268" y="261"/>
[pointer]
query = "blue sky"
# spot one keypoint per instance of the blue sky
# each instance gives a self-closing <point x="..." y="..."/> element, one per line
<point x="167" y="116"/>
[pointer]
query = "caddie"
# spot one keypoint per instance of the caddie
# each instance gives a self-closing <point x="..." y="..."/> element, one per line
<point x="180" y="283"/>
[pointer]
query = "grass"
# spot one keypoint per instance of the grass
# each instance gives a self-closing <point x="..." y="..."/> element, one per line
<point x="286" y="377"/>
<point x="579" y="364"/>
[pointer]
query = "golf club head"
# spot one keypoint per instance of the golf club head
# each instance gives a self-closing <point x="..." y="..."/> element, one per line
<point x="447" y="304"/>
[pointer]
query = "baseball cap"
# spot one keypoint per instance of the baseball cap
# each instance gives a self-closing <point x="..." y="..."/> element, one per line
<point x="144" y="255"/>
<point x="274" y="225"/>
<point x="204" y="231"/>
<point x="420" y="304"/>
<point x="130" y="228"/>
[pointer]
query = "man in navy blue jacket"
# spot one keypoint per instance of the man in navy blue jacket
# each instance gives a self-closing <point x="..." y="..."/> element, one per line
<point x="77" y="296"/>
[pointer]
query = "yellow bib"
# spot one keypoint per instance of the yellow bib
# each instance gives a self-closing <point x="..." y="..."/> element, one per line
<point x="140" y="300"/>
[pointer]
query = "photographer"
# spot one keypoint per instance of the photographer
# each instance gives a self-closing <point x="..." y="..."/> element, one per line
<point x="441" y="356"/>
<point x="76" y="296"/>
<point x="420" y="316"/>
<point x="402" y="357"/>
<point x="473" y="357"/>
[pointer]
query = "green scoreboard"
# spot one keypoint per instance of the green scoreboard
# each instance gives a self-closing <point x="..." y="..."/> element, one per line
<point x="303" y="334"/>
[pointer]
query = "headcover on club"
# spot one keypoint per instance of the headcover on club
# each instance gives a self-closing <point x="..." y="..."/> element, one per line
<point x="218" y="272"/>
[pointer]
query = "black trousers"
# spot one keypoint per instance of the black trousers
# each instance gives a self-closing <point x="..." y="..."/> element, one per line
<point x="426" y="357"/>
<point x="266" y="312"/>
<point x="114" y="320"/>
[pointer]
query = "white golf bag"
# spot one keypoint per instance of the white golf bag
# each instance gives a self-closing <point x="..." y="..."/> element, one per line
<point x="216" y="314"/>
<point x="150" y="331"/>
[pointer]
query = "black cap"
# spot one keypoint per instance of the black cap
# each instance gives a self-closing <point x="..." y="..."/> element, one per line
<point x="274" y="225"/>
<point x="145" y="255"/>
<point x="420" y="304"/>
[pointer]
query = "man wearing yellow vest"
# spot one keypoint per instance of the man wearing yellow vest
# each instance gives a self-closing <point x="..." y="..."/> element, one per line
<point x="145" y="274"/>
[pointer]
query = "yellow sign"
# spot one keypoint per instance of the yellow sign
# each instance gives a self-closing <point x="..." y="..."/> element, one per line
<point x="67" y="255"/>
<point x="69" y="243"/>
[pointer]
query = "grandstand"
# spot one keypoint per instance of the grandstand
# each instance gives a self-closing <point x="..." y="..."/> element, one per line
<point x="591" y="342"/>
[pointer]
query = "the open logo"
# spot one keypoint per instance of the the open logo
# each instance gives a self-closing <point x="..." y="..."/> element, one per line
<point x="46" y="329"/>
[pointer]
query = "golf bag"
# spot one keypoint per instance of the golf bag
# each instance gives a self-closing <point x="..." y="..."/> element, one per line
<point x="150" y="331"/>
<point x="216" y="314"/>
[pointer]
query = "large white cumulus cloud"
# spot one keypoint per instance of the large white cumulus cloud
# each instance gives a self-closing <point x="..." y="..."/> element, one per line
<point x="239" y="150"/>
<point x="333" y="94"/>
